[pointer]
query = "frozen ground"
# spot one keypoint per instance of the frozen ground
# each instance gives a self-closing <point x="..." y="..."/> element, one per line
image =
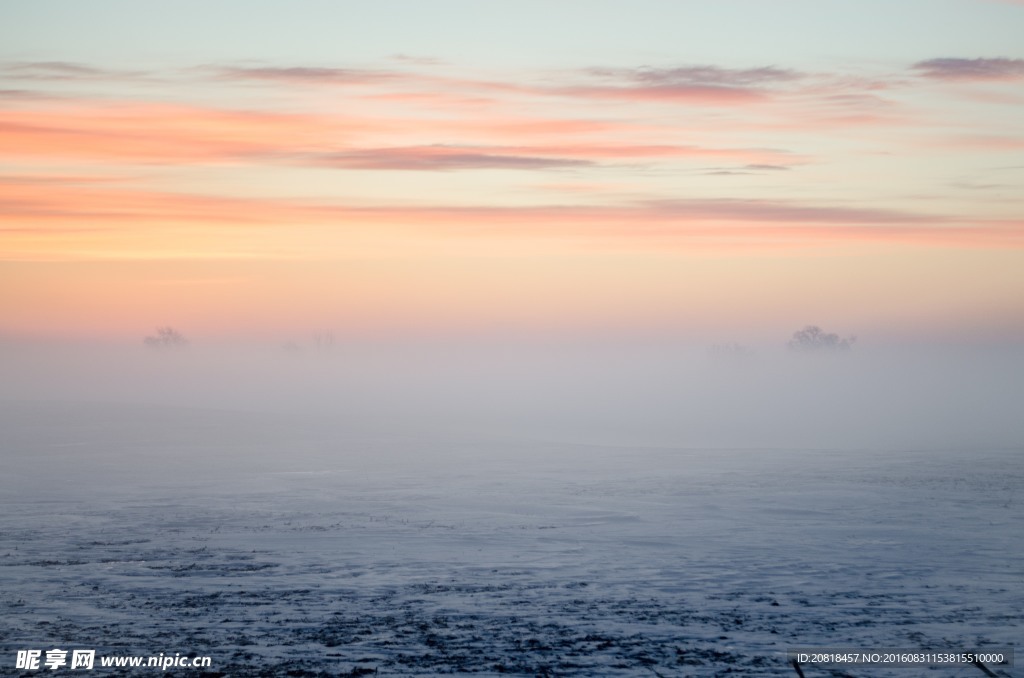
<point x="279" y="546"/>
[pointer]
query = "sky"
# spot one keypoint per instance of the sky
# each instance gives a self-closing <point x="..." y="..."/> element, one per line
<point x="699" y="171"/>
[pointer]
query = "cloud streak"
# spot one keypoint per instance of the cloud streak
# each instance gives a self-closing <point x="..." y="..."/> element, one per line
<point x="454" y="157"/>
<point x="443" y="158"/>
<point x="702" y="85"/>
<point x="162" y="133"/>
<point x="123" y="132"/>
<point x="966" y="70"/>
<point x="306" y="74"/>
<point x="56" y="70"/>
<point x="699" y="76"/>
<point x="39" y="214"/>
<point x="466" y="125"/>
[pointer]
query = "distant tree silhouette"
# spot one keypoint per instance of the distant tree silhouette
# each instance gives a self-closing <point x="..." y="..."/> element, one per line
<point x="166" y="337"/>
<point x="812" y="338"/>
<point x="323" y="340"/>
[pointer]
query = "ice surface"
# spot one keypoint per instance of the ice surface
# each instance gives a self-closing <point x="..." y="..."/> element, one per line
<point x="281" y="543"/>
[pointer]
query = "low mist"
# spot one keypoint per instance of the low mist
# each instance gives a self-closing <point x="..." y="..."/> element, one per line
<point x="616" y="394"/>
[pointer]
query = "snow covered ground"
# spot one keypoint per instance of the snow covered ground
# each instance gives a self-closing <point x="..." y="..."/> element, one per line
<point x="284" y="545"/>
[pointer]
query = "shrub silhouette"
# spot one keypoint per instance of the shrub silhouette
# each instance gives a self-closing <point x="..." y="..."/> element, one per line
<point x="812" y="339"/>
<point x="166" y="337"/>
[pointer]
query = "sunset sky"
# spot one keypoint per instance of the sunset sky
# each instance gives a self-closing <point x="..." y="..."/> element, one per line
<point x="715" y="171"/>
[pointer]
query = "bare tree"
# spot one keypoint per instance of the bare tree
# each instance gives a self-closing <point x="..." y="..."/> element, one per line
<point x="812" y="339"/>
<point x="166" y="337"/>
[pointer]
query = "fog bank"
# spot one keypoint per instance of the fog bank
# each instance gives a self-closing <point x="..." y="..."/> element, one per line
<point x="612" y="394"/>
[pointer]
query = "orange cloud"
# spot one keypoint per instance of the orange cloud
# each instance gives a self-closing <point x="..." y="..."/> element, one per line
<point x="176" y="134"/>
<point x="161" y="133"/>
<point x="90" y="222"/>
